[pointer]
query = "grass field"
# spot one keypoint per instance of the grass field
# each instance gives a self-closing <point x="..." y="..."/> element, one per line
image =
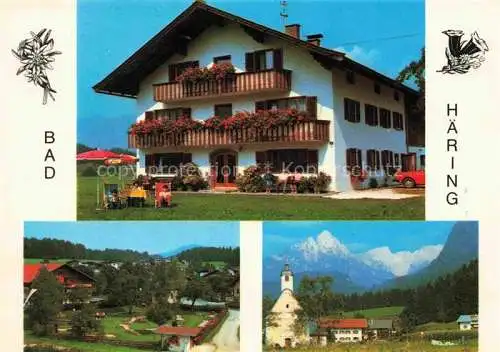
<point x="389" y="347"/>
<point x="83" y="346"/>
<point x="39" y="260"/>
<point x="374" y="313"/>
<point x="112" y="326"/>
<point x="203" y="206"/>
<point x="436" y="327"/>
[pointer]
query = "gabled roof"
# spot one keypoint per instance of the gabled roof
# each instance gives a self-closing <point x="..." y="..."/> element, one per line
<point x="126" y="78"/>
<point x="464" y="318"/>
<point x="343" y="323"/>
<point x="380" y="324"/>
<point x="31" y="270"/>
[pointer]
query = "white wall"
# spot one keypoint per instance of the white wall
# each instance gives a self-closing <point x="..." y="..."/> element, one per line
<point x="308" y="78"/>
<point x="348" y="335"/>
<point x="360" y="135"/>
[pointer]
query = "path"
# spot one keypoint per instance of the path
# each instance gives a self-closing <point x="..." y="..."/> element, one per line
<point x="384" y="193"/>
<point x="226" y="339"/>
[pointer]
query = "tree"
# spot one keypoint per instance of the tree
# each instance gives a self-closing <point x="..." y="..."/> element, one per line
<point x="196" y="288"/>
<point x="46" y="304"/>
<point x="220" y="285"/>
<point x="84" y="322"/>
<point x="79" y="296"/>
<point x="269" y="317"/>
<point x="160" y="311"/>
<point x="415" y="71"/>
<point x="125" y="290"/>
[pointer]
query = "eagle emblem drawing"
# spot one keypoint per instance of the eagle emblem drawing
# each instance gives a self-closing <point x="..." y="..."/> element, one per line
<point x="463" y="55"/>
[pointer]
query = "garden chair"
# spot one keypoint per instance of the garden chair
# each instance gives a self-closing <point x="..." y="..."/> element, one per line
<point x="159" y="187"/>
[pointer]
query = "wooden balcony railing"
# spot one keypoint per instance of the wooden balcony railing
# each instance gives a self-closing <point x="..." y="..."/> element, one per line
<point x="307" y="131"/>
<point x="237" y="84"/>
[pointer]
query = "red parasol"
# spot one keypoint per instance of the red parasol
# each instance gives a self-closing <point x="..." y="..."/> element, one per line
<point x="97" y="155"/>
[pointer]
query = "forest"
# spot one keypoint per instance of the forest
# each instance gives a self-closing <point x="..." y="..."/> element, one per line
<point x="199" y="255"/>
<point x="48" y="248"/>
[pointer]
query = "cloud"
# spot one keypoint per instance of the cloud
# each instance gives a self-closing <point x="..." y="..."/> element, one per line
<point x="400" y="263"/>
<point x="361" y="55"/>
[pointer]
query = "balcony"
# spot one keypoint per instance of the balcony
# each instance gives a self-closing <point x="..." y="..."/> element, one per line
<point x="239" y="84"/>
<point x="316" y="131"/>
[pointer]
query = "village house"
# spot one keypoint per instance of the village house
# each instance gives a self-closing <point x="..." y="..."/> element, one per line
<point x="380" y="328"/>
<point x="468" y="322"/>
<point x="339" y="113"/>
<point x="281" y="331"/>
<point x="67" y="276"/>
<point x="178" y="338"/>
<point x="345" y="330"/>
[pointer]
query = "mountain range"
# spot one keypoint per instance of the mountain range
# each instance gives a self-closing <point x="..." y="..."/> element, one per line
<point x="374" y="269"/>
<point x="173" y="252"/>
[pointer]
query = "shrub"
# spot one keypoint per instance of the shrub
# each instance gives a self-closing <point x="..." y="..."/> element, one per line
<point x="372" y="183"/>
<point x="321" y="182"/>
<point x="194" y="183"/>
<point x="250" y="181"/>
<point x="305" y="185"/>
<point x="89" y="171"/>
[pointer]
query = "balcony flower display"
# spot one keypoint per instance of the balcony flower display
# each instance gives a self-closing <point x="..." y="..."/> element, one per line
<point x="259" y="120"/>
<point x="216" y="72"/>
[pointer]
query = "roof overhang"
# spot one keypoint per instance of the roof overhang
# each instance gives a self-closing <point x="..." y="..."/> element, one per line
<point x="125" y="80"/>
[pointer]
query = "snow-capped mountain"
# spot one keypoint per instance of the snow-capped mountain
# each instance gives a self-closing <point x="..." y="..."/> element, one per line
<point x="325" y="254"/>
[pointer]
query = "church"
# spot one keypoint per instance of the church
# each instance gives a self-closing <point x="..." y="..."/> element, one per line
<point x="281" y="331"/>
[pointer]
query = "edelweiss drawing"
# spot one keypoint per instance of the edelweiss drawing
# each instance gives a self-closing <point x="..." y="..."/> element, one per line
<point x="36" y="56"/>
<point x="463" y="55"/>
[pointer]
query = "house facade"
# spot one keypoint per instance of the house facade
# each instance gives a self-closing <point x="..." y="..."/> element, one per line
<point x="280" y="328"/>
<point x="468" y="322"/>
<point x="346" y="330"/>
<point x="67" y="276"/>
<point x="380" y="328"/>
<point x="353" y="117"/>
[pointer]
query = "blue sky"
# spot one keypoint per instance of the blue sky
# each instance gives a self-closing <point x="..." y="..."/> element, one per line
<point x="357" y="236"/>
<point x="109" y="31"/>
<point x="151" y="236"/>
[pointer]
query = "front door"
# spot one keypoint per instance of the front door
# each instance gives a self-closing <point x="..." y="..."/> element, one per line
<point x="224" y="167"/>
<point x="288" y="342"/>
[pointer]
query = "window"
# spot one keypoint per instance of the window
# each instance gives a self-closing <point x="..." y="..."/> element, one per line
<point x="373" y="159"/>
<point x="422" y="161"/>
<point x="166" y="163"/>
<point x="371" y="115"/>
<point x="287" y="306"/>
<point x="397" y="120"/>
<point x="376" y="88"/>
<point x="175" y="70"/>
<point x="287" y="278"/>
<point x="385" y="118"/>
<point x="308" y="104"/>
<point x="264" y="60"/>
<point x="396" y="96"/>
<point x="351" y="110"/>
<point x="223" y="110"/>
<point x="226" y="59"/>
<point x="387" y="160"/>
<point x="289" y="160"/>
<point x="171" y="114"/>
<point x="397" y="160"/>
<point x="350" y="78"/>
<point x="353" y="161"/>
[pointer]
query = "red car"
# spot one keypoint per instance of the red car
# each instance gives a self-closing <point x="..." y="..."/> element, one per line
<point x="410" y="179"/>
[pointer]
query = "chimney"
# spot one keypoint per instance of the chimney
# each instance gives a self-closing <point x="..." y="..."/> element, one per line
<point x="293" y="30"/>
<point x="315" y="39"/>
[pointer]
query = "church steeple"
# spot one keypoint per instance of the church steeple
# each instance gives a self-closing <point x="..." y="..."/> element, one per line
<point x="286" y="278"/>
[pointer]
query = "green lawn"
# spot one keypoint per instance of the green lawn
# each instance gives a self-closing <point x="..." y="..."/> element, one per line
<point x="83" y="346"/>
<point x="435" y="327"/>
<point x="193" y="320"/>
<point x="205" y="206"/>
<point x="216" y="264"/>
<point x="39" y="260"/>
<point x="374" y="313"/>
<point x="112" y="326"/>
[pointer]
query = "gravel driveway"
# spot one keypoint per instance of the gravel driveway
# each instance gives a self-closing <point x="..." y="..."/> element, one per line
<point x="226" y="339"/>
